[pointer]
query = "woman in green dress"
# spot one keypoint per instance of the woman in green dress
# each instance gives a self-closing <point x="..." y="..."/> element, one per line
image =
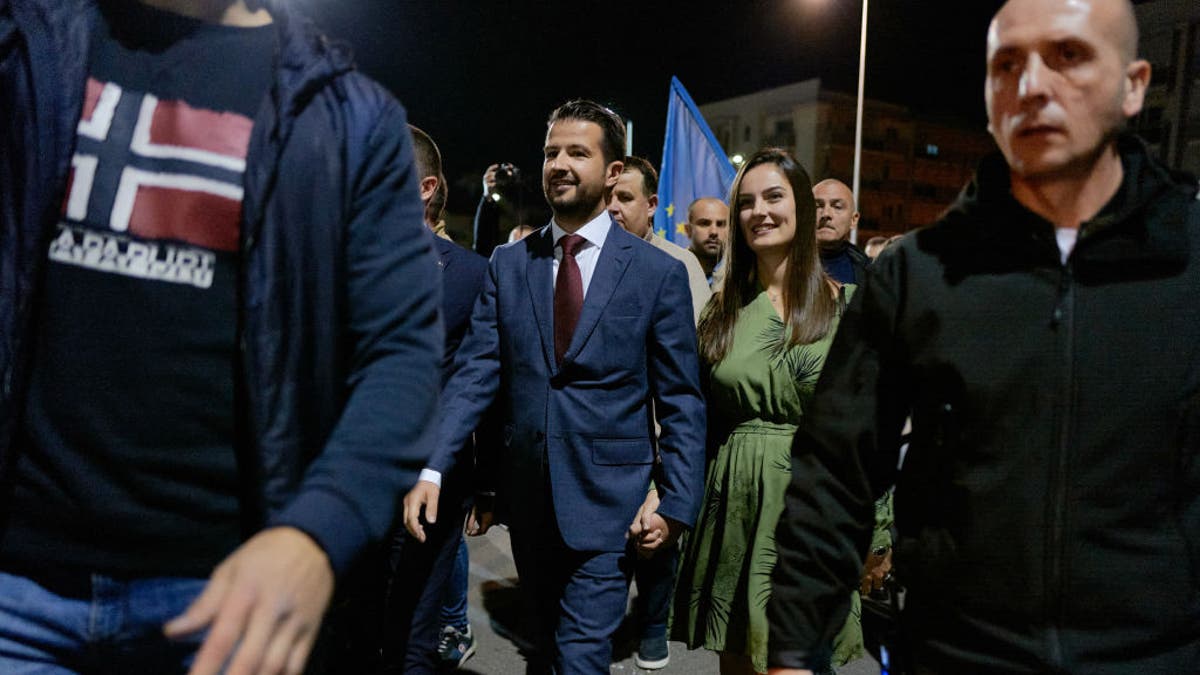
<point x="764" y="338"/>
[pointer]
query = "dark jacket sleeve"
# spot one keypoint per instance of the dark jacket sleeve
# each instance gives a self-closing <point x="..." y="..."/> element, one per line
<point x="487" y="227"/>
<point x="844" y="455"/>
<point x="473" y="385"/>
<point x="464" y="280"/>
<point x="674" y="372"/>
<point x="383" y="437"/>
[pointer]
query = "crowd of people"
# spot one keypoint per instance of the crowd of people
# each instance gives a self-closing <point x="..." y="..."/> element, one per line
<point x="253" y="394"/>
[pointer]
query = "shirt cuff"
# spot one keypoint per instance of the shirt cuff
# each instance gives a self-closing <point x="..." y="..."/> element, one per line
<point x="431" y="476"/>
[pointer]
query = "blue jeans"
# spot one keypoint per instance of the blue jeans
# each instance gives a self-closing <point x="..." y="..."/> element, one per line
<point x="104" y="625"/>
<point x="454" y="607"/>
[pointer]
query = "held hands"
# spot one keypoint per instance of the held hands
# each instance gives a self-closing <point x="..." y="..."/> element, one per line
<point x="651" y="531"/>
<point x="423" y="495"/>
<point x="263" y="606"/>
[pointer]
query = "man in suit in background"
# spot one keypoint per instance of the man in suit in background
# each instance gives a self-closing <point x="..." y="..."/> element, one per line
<point x="632" y="204"/>
<point x="426" y="590"/>
<point x="579" y="328"/>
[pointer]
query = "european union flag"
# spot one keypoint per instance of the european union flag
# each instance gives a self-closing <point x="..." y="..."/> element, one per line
<point x="693" y="166"/>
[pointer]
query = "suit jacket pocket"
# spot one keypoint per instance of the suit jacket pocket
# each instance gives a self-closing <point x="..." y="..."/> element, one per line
<point x="619" y="451"/>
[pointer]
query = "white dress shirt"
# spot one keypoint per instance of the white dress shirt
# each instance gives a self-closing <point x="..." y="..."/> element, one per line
<point x="595" y="231"/>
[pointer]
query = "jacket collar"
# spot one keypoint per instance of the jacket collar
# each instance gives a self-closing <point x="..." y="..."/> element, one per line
<point x="305" y="63"/>
<point x="306" y="60"/>
<point x="1143" y="226"/>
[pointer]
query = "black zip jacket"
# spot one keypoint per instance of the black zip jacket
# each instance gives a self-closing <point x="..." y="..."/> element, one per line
<point x="1049" y="505"/>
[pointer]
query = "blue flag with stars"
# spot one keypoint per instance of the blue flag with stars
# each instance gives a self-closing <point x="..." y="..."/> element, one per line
<point x="693" y="166"/>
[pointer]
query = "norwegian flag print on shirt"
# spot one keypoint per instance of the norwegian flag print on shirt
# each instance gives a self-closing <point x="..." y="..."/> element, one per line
<point x="155" y="188"/>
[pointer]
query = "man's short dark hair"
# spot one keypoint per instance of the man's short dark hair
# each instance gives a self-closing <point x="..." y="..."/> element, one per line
<point x="429" y="163"/>
<point x="437" y="203"/>
<point x="427" y="155"/>
<point x="613" y="146"/>
<point x="649" y="175"/>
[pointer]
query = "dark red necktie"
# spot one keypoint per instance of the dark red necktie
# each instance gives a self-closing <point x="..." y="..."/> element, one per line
<point x="568" y="294"/>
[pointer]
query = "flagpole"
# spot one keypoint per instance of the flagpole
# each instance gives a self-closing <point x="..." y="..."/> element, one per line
<point x="858" y="119"/>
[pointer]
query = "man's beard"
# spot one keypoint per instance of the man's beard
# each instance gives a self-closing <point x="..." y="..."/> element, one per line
<point x="706" y="254"/>
<point x="581" y="205"/>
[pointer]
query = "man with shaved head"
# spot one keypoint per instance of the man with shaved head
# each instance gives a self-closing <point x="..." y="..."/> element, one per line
<point x="837" y="216"/>
<point x="1042" y="338"/>
<point x="708" y="228"/>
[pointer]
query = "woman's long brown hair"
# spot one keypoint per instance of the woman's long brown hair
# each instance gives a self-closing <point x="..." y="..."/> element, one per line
<point x="809" y="307"/>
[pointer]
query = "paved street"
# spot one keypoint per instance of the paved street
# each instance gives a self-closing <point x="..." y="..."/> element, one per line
<point x="494" y="618"/>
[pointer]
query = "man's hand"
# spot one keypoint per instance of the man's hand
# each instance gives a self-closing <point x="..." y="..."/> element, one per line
<point x="265" y="601"/>
<point x="648" y="506"/>
<point x="875" y="572"/>
<point x="788" y="671"/>
<point x="658" y="533"/>
<point x="652" y="531"/>
<point x="423" y="495"/>
<point x="489" y="180"/>
<point x="479" y="520"/>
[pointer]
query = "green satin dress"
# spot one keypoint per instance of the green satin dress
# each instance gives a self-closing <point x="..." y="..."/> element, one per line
<point x="756" y="396"/>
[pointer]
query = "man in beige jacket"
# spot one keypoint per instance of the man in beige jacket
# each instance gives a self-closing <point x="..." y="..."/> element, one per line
<point x="632" y="204"/>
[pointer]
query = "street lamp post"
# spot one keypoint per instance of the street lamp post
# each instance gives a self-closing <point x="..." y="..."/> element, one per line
<point x="858" y="118"/>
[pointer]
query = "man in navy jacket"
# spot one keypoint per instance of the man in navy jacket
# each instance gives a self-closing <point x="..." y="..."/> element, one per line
<point x="333" y="329"/>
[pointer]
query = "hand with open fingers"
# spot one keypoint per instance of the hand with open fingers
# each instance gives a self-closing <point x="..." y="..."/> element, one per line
<point x="648" y="506"/>
<point x="478" y="521"/>
<point x="262" y="606"/>
<point x="424" y="495"/>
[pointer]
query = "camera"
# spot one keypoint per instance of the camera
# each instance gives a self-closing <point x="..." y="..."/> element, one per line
<point x="507" y="174"/>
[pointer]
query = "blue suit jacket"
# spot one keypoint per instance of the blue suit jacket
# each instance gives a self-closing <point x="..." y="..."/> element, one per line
<point x="462" y="280"/>
<point x="588" y="423"/>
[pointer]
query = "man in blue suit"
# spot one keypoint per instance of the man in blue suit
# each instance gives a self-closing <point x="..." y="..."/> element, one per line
<point x="580" y="327"/>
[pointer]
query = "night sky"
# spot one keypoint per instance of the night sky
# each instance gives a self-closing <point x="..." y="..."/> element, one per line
<point x="482" y="76"/>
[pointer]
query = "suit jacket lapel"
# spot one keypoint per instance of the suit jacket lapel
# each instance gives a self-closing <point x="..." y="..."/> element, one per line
<point x="610" y="267"/>
<point x="539" y="274"/>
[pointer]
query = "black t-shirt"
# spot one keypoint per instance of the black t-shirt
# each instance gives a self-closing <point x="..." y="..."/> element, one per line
<point x="128" y="465"/>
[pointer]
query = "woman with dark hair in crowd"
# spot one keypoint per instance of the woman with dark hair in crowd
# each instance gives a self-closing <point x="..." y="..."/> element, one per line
<point x="764" y="338"/>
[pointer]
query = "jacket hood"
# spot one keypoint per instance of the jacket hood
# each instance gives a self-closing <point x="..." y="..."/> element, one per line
<point x="307" y="59"/>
